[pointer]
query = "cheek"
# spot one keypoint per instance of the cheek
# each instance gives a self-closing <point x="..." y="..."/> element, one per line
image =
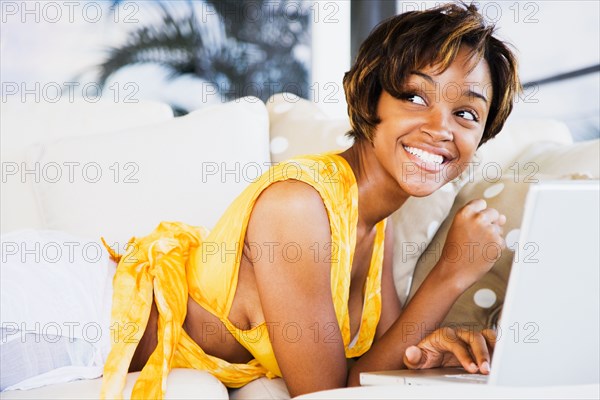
<point x="384" y="137"/>
<point x="467" y="145"/>
<point x="384" y="149"/>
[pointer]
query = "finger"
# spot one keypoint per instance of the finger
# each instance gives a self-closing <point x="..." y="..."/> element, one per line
<point x="478" y="348"/>
<point x="475" y="206"/>
<point x="413" y="358"/>
<point x="499" y="232"/>
<point x="490" y="215"/>
<point x="501" y="241"/>
<point x="451" y="343"/>
<point x="490" y="337"/>
<point x="462" y="354"/>
<point x="494" y="249"/>
<point x="501" y="219"/>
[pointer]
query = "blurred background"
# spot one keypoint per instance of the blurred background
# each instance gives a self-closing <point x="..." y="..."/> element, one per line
<point x="193" y="53"/>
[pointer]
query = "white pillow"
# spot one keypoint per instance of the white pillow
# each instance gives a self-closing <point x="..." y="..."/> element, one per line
<point x="124" y="183"/>
<point x="26" y="123"/>
<point x="23" y="124"/>
<point x="553" y="158"/>
<point x="501" y="154"/>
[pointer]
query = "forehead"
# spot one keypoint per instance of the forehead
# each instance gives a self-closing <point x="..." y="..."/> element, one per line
<point x="465" y="72"/>
<point x="464" y="78"/>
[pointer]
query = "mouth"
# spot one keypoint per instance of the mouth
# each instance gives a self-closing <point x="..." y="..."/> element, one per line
<point x="431" y="160"/>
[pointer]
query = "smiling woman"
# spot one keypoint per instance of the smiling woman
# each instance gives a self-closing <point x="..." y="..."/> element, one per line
<point x="418" y="114"/>
<point x="426" y="90"/>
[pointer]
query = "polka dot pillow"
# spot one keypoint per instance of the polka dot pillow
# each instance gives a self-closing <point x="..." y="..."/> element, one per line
<point x="480" y="305"/>
<point x="298" y="127"/>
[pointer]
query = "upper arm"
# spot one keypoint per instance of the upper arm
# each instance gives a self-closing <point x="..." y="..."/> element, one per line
<point x="390" y="304"/>
<point x="288" y="222"/>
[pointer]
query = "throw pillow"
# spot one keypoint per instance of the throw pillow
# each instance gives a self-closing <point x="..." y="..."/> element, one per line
<point x="298" y="127"/>
<point x="124" y="183"/>
<point x="23" y="124"/>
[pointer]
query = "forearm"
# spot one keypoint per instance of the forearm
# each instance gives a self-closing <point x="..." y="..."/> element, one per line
<point x="423" y="314"/>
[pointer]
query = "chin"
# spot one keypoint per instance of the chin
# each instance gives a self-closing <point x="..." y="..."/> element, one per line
<point x="421" y="183"/>
<point x="420" y="189"/>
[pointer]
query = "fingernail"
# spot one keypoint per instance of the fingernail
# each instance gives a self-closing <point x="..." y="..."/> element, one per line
<point x="413" y="352"/>
<point x="473" y="367"/>
<point x="485" y="367"/>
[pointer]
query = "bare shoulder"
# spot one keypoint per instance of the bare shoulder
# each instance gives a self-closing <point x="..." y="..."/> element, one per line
<point x="291" y="193"/>
<point x="289" y="208"/>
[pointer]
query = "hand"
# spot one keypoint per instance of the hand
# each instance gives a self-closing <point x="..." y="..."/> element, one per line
<point x="474" y="241"/>
<point x="447" y="347"/>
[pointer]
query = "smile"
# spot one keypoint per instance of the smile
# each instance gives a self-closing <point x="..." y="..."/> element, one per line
<point x="424" y="155"/>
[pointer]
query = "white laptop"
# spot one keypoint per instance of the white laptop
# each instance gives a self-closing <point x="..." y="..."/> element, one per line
<point x="549" y="329"/>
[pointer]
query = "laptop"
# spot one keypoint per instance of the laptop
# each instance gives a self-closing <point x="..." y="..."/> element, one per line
<point x="548" y="333"/>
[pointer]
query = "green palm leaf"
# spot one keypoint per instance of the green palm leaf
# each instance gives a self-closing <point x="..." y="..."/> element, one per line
<point x="242" y="58"/>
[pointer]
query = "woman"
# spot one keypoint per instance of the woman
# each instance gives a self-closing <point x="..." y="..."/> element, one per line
<point x="296" y="277"/>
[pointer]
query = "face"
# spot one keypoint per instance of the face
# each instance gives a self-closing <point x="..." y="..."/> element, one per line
<point x="427" y="137"/>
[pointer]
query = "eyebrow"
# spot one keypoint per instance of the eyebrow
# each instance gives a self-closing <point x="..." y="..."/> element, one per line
<point x="433" y="82"/>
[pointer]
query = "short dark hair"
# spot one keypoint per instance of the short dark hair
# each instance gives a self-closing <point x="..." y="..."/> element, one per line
<point x="417" y="39"/>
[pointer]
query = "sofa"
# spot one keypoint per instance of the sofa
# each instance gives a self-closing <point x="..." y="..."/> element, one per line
<point x="116" y="170"/>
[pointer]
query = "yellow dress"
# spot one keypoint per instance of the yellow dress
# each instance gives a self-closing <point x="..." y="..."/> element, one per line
<point x="178" y="259"/>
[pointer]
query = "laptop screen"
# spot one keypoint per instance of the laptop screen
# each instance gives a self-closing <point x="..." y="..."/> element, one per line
<point x="549" y="330"/>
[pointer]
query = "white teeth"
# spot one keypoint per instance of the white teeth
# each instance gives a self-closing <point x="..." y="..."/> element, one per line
<point x="425" y="156"/>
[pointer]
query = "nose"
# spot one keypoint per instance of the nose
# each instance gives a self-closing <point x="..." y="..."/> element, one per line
<point x="437" y="126"/>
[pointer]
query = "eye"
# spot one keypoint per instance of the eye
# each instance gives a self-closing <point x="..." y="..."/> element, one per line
<point x="415" y="98"/>
<point x="468" y="115"/>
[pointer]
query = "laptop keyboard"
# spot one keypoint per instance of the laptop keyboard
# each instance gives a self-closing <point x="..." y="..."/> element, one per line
<point x="479" y="378"/>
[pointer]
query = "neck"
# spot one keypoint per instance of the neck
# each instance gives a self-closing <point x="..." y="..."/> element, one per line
<point x="379" y="195"/>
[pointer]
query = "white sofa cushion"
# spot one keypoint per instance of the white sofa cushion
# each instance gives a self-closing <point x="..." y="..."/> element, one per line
<point x="23" y="124"/>
<point x="261" y="389"/>
<point x="124" y="183"/>
<point x="181" y="384"/>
